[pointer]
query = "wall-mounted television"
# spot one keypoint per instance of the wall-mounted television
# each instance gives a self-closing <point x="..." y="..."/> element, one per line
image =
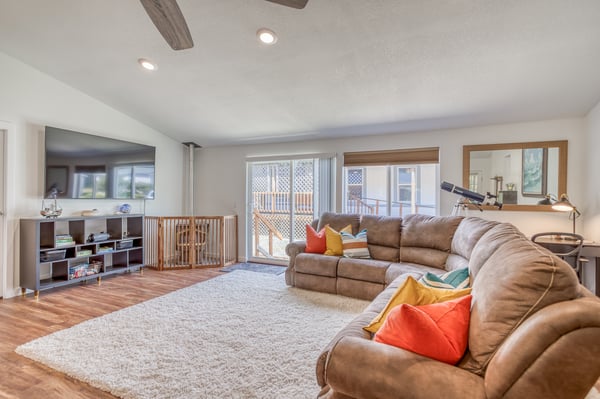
<point x="84" y="166"/>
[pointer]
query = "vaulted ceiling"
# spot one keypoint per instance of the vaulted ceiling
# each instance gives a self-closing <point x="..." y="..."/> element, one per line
<point x="339" y="68"/>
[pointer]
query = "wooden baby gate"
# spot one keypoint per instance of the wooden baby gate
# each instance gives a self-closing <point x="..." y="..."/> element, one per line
<point x="185" y="242"/>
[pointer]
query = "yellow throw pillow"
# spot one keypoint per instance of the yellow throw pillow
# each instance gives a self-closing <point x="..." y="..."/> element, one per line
<point x="333" y="240"/>
<point x="414" y="293"/>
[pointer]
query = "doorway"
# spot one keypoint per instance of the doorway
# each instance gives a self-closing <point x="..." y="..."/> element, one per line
<point x="3" y="235"/>
<point x="283" y="196"/>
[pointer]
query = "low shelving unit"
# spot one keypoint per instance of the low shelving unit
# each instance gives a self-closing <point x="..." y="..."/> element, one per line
<point x="62" y="251"/>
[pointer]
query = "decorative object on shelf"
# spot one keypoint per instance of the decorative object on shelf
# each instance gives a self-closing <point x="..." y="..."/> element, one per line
<point x="469" y="197"/>
<point x="90" y="212"/>
<point x="50" y="208"/>
<point x="125" y="244"/>
<point x="53" y="255"/>
<point x="102" y="236"/>
<point x="548" y="199"/>
<point x="564" y="205"/>
<point x="125" y="208"/>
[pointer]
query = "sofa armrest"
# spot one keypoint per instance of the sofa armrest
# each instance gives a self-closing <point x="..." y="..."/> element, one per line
<point x="292" y="250"/>
<point x="559" y="343"/>
<point x="360" y="368"/>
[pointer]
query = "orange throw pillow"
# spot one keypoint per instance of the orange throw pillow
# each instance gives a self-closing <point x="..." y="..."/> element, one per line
<point x="439" y="331"/>
<point x="315" y="242"/>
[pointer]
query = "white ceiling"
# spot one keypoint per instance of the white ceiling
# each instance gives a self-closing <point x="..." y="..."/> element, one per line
<point x="340" y="67"/>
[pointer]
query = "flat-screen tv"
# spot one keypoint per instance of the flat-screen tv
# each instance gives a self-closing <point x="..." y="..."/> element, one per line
<point x="84" y="166"/>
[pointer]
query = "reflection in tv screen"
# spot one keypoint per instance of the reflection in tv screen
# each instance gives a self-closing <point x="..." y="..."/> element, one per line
<point x="85" y="166"/>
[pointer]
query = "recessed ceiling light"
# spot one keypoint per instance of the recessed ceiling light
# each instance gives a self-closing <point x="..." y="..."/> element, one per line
<point x="146" y="64"/>
<point x="266" y="36"/>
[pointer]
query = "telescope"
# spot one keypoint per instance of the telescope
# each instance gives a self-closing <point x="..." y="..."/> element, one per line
<point x="476" y="198"/>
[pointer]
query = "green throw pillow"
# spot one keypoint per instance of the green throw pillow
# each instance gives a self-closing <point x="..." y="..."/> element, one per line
<point x="456" y="279"/>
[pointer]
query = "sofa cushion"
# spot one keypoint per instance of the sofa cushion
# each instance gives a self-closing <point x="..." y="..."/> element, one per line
<point x="427" y="240"/>
<point x="383" y="236"/>
<point x="489" y="243"/>
<point x="455" y="279"/>
<point x="315" y="242"/>
<point x="414" y="293"/>
<point x="465" y="238"/>
<point x="355" y="246"/>
<point x="358" y="289"/>
<point x="363" y="269"/>
<point x="333" y="240"/>
<point x="319" y="265"/>
<point x="517" y="280"/>
<point x="438" y="331"/>
<point x="338" y="221"/>
<point x="468" y="233"/>
<point x="402" y="270"/>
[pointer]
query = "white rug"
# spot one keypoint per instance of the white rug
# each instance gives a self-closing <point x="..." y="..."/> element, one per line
<point x="240" y="335"/>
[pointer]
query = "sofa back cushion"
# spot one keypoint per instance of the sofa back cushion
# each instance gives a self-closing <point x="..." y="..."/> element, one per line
<point x="489" y="242"/>
<point x="465" y="238"/>
<point x="338" y="221"/>
<point x="427" y="240"/>
<point x="517" y="280"/>
<point x="383" y="236"/>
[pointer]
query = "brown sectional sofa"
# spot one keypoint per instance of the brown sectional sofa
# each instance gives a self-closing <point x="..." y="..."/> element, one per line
<point x="534" y="330"/>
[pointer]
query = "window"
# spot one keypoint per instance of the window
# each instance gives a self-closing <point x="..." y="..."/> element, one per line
<point x="134" y="181"/>
<point x="90" y="181"/>
<point x="391" y="183"/>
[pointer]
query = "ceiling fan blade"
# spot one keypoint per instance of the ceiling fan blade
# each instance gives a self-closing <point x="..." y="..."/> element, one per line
<point x="299" y="4"/>
<point x="168" y="19"/>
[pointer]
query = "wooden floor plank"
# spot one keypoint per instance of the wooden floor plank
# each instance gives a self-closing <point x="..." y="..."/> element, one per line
<point x="24" y="319"/>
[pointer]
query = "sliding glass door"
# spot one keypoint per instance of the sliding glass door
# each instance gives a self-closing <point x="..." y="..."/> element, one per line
<point x="284" y="195"/>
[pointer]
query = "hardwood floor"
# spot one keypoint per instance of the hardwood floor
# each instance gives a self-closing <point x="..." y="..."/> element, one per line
<point x="24" y="319"/>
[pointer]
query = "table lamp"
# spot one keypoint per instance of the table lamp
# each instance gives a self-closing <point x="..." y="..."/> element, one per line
<point x="564" y="205"/>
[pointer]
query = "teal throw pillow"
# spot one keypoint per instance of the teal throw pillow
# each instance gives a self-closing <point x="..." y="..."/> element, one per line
<point x="456" y="279"/>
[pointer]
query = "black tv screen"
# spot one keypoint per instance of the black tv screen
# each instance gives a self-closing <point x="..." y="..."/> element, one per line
<point x="85" y="166"/>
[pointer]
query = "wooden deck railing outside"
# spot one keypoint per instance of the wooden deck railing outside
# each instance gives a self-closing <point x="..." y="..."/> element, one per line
<point x="184" y="242"/>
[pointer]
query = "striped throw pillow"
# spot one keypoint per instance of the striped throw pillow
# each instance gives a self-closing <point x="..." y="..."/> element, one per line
<point x="355" y="246"/>
<point x="456" y="279"/>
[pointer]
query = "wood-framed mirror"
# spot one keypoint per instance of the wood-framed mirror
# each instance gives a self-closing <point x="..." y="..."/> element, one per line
<point x="519" y="174"/>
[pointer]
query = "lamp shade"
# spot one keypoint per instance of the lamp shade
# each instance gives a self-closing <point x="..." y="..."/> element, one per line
<point x="563" y="204"/>
<point x="546" y="201"/>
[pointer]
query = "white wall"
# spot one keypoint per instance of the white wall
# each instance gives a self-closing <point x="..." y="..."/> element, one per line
<point x="220" y="171"/>
<point x="29" y="100"/>
<point x="591" y="205"/>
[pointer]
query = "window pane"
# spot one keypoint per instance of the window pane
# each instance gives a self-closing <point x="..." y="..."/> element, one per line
<point x="143" y="181"/>
<point x="85" y="185"/>
<point x="404" y="194"/>
<point x="405" y="175"/>
<point x="100" y="185"/>
<point x="123" y="180"/>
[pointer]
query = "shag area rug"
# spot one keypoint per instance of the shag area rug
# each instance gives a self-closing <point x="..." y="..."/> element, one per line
<point x="240" y="335"/>
<point x="255" y="267"/>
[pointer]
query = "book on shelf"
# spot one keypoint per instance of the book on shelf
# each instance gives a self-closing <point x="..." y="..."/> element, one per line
<point x="84" y="252"/>
<point x="64" y="243"/>
<point x="62" y="240"/>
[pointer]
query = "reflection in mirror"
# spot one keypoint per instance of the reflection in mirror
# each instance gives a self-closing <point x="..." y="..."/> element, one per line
<point x="519" y="174"/>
